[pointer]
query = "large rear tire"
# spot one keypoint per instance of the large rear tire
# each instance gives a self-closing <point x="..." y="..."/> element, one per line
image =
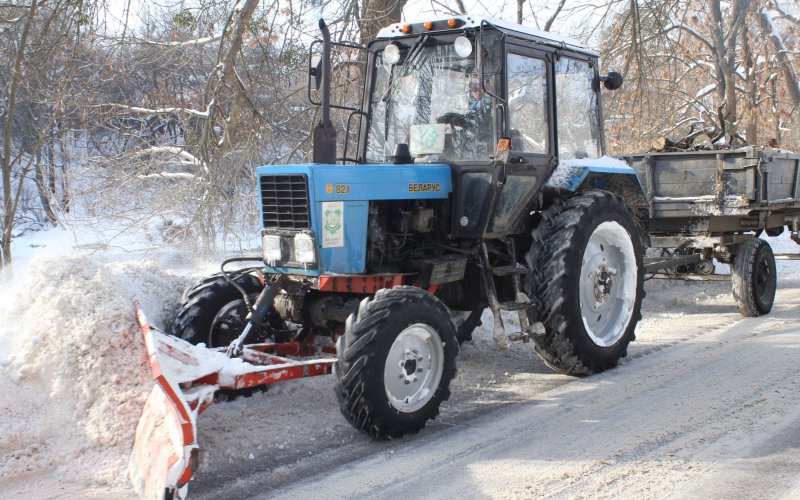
<point x="586" y="258"/>
<point x="754" y="278"/>
<point x="395" y="362"/>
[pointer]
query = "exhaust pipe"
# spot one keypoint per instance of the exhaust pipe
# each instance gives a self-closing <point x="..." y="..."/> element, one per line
<point x="324" y="136"/>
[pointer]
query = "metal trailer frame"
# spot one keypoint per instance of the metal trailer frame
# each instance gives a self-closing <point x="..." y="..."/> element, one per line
<point x="705" y="204"/>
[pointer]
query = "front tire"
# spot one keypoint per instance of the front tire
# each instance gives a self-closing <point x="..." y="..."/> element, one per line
<point x="754" y="278"/>
<point x="212" y="312"/>
<point x="587" y="266"/>
<point x="395" y="362"/>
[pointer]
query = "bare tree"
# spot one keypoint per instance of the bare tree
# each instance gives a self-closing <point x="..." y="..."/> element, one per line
<point x="38" y="41"/>
<point x="697" y="68"/>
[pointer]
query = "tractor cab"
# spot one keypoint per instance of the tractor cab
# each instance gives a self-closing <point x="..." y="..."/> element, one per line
<point x="499" y="103"/>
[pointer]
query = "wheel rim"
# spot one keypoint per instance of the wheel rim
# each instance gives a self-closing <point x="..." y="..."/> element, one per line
<point x="413" y="368"/>
<point x="228" y="324"/>
<point x="608" y="282"/>
<point x="764" y="279"/>
<point x="231" y="319"/>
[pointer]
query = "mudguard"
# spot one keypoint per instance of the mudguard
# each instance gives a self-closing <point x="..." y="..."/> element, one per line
<point x="606" y="173"/>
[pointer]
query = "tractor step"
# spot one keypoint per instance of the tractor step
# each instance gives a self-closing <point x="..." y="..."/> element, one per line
<point x="510" y="270"/>
<point x="515" y="306"/>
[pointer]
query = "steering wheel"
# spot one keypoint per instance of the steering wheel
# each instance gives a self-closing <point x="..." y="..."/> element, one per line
<point x="454" y="119"/>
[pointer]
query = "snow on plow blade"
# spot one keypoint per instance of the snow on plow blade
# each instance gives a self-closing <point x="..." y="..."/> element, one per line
<point x="186" y="377"/>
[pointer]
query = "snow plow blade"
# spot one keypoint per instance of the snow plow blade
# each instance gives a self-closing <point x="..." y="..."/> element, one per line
<point x="165" y="450"/>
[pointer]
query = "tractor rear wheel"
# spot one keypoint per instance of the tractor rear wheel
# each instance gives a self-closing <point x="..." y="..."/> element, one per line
<point x="586" y="258"/>
<point x="754" y="278"/>
<point x="395" y="362"/>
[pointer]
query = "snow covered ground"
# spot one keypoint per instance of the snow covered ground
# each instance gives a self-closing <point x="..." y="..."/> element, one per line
<point x="703" y="398"/>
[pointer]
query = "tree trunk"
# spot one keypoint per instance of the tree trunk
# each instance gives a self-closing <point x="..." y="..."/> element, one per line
<point x="725" y="61"/>
<point x="6" y="160"/>
<point x="6" y="269"/>
<point x="376" y="14"/>
<point x="43" y="187"/>
<point x="751" y="89"/>
<point x="781" y="55"/>
<point x="66" y="198"/>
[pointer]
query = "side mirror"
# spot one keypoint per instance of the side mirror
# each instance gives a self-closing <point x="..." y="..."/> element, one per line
<point x="315" y="71"/>
<point x="612" y="81"/>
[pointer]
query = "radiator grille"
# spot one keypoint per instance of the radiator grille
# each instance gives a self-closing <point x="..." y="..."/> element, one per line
<point x="284" y="200"/>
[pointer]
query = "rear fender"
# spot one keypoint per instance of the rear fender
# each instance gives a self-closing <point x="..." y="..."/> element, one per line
<point x="608" y="174"/>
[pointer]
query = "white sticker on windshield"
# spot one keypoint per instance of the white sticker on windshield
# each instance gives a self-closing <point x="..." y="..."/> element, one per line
<point x="332" y="224"/>
<point x="427" y="139"/>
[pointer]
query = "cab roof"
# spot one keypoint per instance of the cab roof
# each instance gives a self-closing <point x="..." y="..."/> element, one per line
<point x="466" y="21"/>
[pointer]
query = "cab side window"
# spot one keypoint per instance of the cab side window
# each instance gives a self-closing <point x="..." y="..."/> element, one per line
<point x="527" y="104"/>
<point x="576" y="110"/>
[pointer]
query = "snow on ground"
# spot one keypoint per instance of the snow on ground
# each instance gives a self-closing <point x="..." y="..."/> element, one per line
<point x="72" y="389"/>
<point x="73" y="376"/>
<point x="260" y="446"/>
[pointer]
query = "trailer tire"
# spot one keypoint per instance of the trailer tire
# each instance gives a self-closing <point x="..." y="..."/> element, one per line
<point x="201" y="304"/>
<point x="754" y="278"/>
<point x="593" y="235"/>
<point x="395" y="362"/>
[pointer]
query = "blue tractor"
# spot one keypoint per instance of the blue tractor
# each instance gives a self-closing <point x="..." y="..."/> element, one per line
<point x="479" y="181"/>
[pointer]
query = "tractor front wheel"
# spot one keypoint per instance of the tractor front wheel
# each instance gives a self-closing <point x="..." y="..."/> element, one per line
<point x="395" y="362"/>
<point x="213" y="312"/>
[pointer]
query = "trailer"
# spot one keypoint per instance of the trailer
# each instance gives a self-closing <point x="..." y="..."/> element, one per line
<point x="707" y="205"/>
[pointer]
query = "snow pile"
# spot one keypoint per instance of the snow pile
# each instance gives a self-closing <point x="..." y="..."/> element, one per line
<point x="73" y="386"/>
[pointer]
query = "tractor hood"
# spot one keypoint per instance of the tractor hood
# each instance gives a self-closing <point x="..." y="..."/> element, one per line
<point x="330" y="203"/>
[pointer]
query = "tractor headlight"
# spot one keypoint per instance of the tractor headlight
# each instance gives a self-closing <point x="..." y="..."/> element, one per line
<point x="304" y="251"/>
<point x="272" y="249"/>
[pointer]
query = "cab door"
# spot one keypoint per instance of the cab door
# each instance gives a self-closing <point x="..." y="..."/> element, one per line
<point x="529" y="123"/>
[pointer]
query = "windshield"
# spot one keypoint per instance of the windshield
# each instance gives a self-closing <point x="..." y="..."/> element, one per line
<point x="433" y="101"/>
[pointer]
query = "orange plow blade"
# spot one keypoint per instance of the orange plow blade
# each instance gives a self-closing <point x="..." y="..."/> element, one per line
<point x="186" y="377"/>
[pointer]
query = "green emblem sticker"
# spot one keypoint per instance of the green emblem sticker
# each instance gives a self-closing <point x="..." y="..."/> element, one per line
<point x="332" y="224"/>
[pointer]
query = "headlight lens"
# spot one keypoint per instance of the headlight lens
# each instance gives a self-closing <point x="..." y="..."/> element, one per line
<point x="272" y="249"/>
<point x="463" y="46"/>
<point x="391" y="54"/>
<point x="304" y="248"/>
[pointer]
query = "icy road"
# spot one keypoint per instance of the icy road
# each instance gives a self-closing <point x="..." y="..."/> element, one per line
<point x="707" y="405"/>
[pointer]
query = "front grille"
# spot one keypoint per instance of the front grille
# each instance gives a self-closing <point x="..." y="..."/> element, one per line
<point x="284" y="201"/>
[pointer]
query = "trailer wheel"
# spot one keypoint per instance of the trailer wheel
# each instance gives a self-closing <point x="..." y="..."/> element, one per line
<point x="465" y="323"/>
<point x="587" y="260"/>
<point x="395" y="362"/>
<point x="213" y="312"/>
<point x="753" y="278"/>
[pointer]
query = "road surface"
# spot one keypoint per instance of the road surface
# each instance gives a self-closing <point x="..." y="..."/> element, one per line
<point x="706" y="406"/>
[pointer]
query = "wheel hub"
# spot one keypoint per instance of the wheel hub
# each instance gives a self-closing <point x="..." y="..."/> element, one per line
<point x="603" y="282"/>
<point x="413" y="367"/>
